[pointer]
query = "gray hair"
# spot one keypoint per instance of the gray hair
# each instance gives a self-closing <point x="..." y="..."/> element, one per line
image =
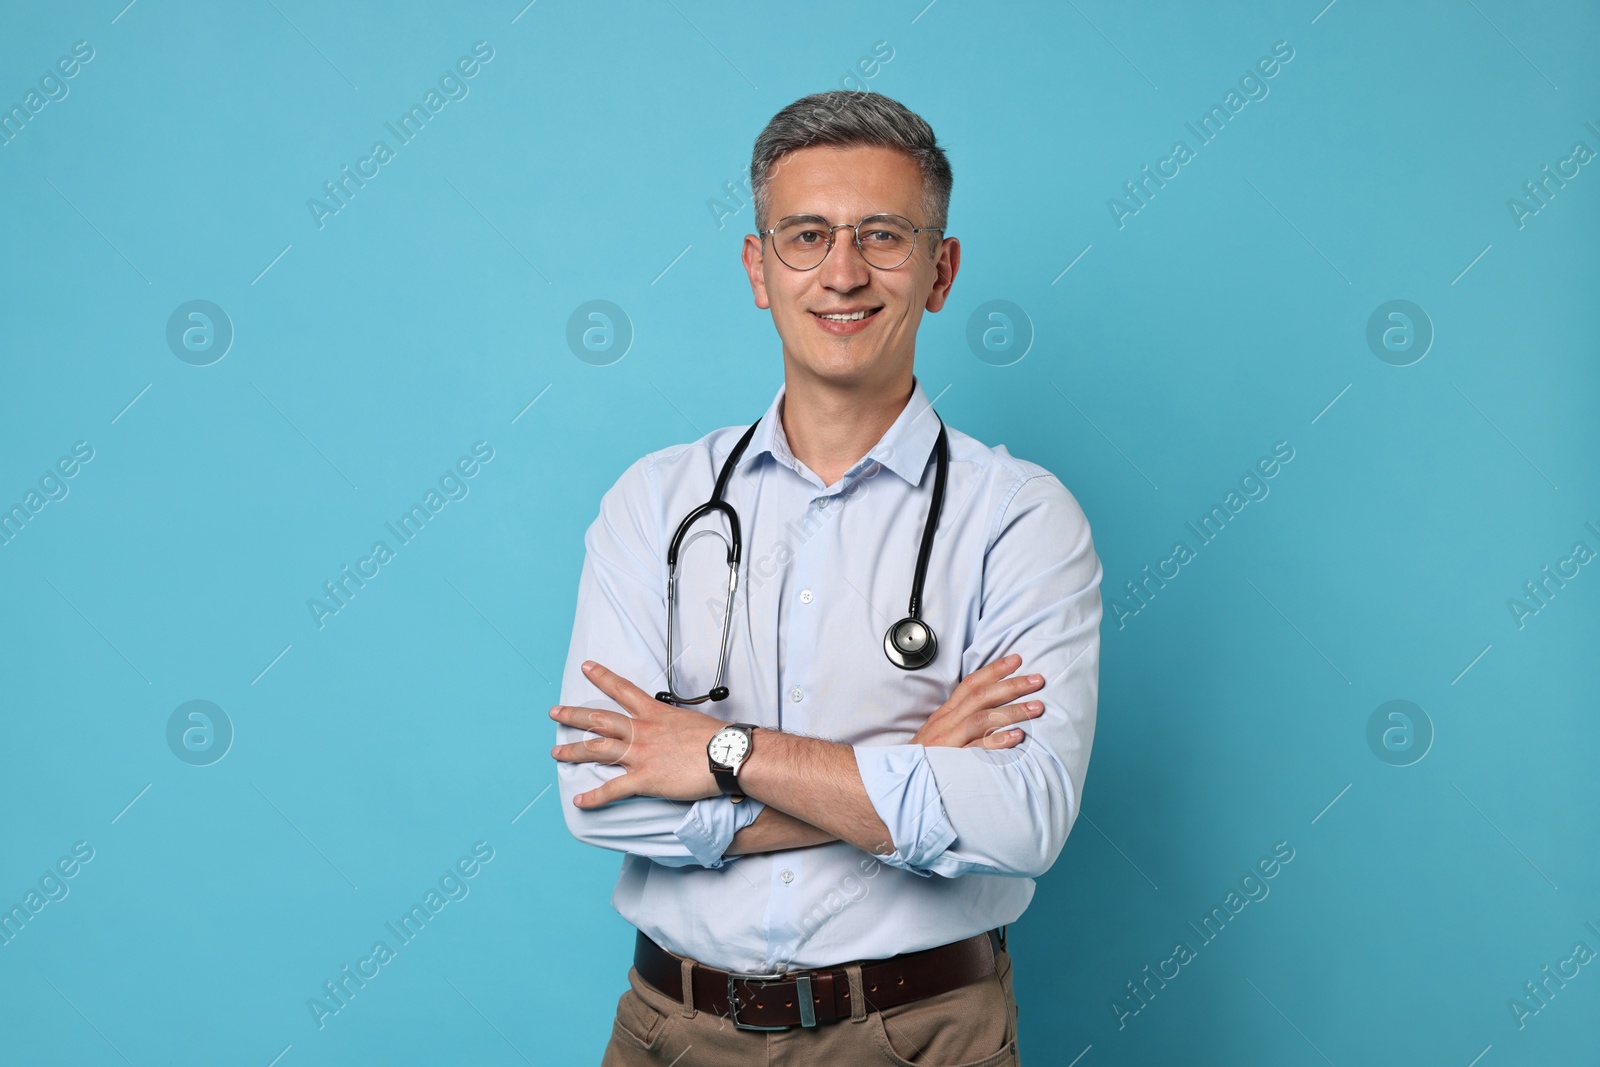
<point x="843" y="118"/>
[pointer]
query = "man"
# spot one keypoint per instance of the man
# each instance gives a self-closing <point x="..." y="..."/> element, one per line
<point x="887" y="819"/>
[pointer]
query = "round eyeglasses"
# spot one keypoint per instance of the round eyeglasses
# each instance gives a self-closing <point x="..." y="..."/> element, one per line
<point x="802" y="242"/>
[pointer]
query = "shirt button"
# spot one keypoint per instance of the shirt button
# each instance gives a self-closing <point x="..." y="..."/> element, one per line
<point x="805" y="596"/>
<point x="797" y="694"/>
<point x="822" y="502"/>
<point x="786" y="874"/>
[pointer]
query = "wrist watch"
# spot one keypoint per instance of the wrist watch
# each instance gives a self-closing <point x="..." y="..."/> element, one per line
<point x="727" y="750"/>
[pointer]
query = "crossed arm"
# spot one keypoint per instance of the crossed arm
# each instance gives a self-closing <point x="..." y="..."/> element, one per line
<point x="973" y="716"/>
<point x="638" y="780"/>
<point x="775" y="830"/>
<point x="811" y="788"/>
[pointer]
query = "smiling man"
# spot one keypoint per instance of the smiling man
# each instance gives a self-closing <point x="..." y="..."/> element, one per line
<point x="832" y="789"/>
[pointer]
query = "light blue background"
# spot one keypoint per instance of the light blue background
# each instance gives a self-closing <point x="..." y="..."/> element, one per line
<point x="1224" y="317"/>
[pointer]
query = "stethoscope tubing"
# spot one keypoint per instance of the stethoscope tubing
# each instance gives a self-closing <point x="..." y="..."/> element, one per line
<point x="909" y="644"/>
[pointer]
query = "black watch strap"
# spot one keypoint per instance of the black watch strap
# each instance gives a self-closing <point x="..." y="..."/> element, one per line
<point x="727" y="781"/>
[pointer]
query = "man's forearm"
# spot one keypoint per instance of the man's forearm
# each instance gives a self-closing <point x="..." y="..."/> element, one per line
<point x="817" y="782"/>
<point x="774" y="830"/>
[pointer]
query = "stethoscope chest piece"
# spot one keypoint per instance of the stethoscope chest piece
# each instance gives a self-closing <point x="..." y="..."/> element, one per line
<point x="910" y="644"/>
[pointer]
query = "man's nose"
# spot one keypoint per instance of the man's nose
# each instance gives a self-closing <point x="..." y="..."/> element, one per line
<point x="844" y="268"/>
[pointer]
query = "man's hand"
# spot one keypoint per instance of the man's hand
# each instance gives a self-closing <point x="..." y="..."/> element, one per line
<point x="662" y="747"/>
<point x="973" y="716"/>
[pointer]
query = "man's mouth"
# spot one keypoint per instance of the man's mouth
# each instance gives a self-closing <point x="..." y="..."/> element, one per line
<point x="847" y="316"/>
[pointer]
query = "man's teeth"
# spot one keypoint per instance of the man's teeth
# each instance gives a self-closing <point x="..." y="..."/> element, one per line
<point x="845" y="318"/>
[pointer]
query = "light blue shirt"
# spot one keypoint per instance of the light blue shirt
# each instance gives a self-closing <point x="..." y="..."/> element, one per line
<point x="825" y="571"/>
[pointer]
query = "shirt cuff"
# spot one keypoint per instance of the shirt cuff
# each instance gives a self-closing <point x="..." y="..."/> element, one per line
<point x="904" y="793"/>
<point x="708" y="828"/>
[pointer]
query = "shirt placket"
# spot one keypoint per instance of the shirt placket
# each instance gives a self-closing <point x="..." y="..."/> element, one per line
<point x="801" y="620"/>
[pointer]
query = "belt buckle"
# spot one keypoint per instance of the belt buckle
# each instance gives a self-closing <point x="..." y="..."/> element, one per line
<point x="808" y="1016"/>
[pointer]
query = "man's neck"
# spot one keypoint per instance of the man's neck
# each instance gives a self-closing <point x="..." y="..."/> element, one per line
<point x="830" y="429"/>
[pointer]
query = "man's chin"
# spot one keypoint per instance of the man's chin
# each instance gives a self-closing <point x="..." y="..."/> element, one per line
<point x="842" y="364"/>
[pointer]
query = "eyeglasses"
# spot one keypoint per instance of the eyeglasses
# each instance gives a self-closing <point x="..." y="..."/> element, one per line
<point x="802" y="242"/>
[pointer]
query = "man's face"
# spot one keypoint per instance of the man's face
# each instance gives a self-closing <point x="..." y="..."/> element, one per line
<point x="846" y="185"/>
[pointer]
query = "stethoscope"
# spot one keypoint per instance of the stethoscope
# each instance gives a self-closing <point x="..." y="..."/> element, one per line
<point x="910" y="643"/>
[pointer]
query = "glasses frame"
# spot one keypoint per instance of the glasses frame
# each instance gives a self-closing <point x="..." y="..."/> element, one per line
<point x="855" y="229"/>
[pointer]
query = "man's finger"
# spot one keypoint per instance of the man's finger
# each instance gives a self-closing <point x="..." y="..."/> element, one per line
<point x="592" y="750"/>
<point x="989" y="674"/>
<point x="616" y="686"/>
<point x="595" y="720"/>
<point x="1030" y="709"/>
<point x="615" y="789"/>
<point x="997" y="739"/>
<point x="996" y="693"/>
<point x="1006" y="664"/>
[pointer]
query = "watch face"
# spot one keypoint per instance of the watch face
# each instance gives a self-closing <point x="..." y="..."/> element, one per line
<point x="729" y="747"/>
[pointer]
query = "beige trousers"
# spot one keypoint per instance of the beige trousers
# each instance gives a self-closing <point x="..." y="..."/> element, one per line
<point x="973" y="1026"/>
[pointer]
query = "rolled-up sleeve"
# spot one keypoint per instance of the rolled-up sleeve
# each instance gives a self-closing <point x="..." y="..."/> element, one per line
<point x="905" y="795"/>
<point x="955" y="811"/>
<point x="621" y="621"/>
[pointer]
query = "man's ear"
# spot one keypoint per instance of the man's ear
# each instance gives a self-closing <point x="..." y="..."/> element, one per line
<point x="753" y="265"/>
<point x="945" y="266"/>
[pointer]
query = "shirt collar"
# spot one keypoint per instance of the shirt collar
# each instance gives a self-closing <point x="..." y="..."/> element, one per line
<point x="904" y="448"/>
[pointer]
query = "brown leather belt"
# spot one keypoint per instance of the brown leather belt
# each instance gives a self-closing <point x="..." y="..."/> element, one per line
<point x="821" y="995"/>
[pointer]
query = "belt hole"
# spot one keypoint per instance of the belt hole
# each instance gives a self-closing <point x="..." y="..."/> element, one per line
<point x="874" y="988"/>
<point x="901" y="980"/>
<point x="788" y="1003"/>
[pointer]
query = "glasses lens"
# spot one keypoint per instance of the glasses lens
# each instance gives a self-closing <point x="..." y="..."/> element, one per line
<point x="801" y="241"/>
<point x="886" y="240"/>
